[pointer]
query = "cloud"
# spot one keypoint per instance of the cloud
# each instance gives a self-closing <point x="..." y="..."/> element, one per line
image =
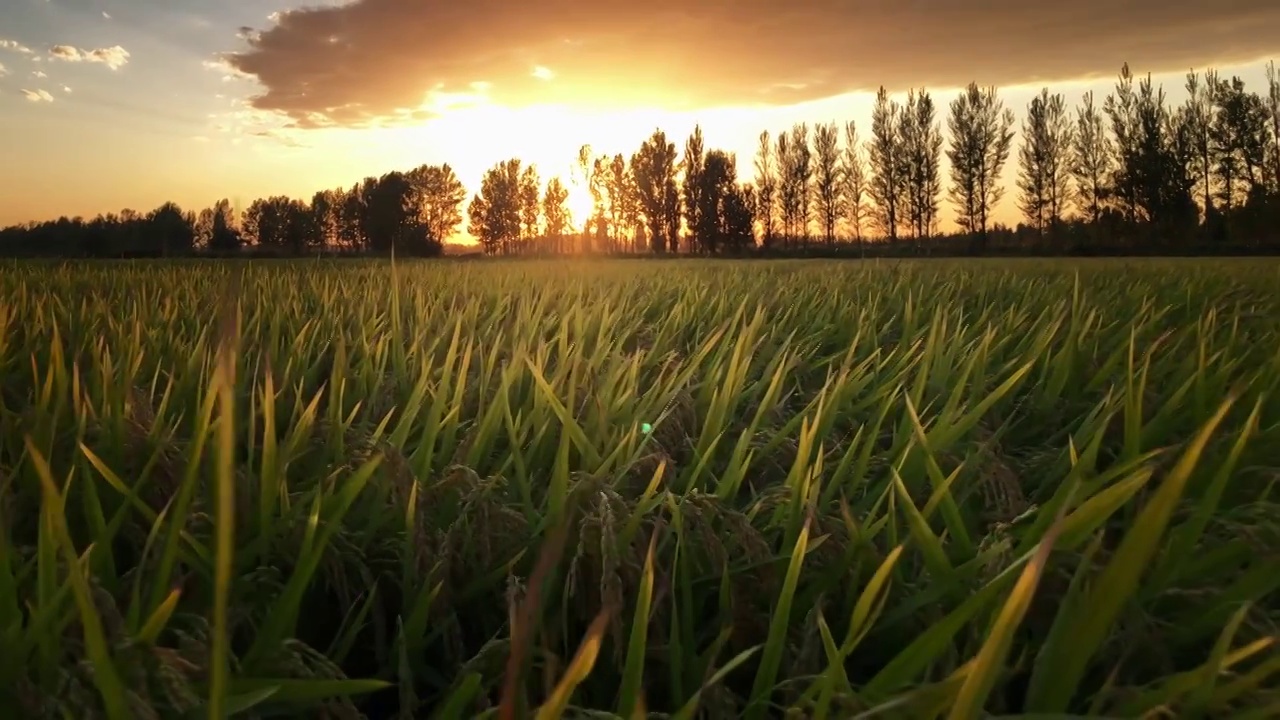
<point x="106" y="14"/>
<point x="221" y="65"/>
<point x="66" y="89"/>
<point x="39" y="73"/>
<point x="113" y="57"/>
<point x="541" y="72"/>
<point x="3" y="71"/>
<point x="355" y="63"/>
<point x="14" y="46"/>
<point x="37" y="95"/>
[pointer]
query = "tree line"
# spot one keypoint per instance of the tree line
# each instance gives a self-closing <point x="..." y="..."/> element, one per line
<point x="1127" y="173"/>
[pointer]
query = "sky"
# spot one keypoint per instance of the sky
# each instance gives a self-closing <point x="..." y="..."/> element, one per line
<point x="111" y="104"/>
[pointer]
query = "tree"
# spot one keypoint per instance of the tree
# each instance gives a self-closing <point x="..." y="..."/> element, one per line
<point x="631" y="217"/>
<point x="555" y="212"/>
<point x="391" y="220"/>
<point x="620" y="194"/>
<point x="1151" y="182"/>
<point x="529" y="186"/>
<point x="1239" y="139"/>
<point x="788" y="197"/>
<point x="1044" y="161"/>
<point x="921" y="140"/>
<point x="1091" y="162"/>
<point x="853" y="181"/>
<point x="826" y="177"/>
<point x="738" y="218"/>
<point x="886" y="161"/>
<point x="223" y="235"/>
<point x="494" y="212"/>
<point x="588" y="177"/>
<point x="796" y="176"/>
<point x="438" y="198"/>
<point x="1197" y="118"/>
<point x="1122" y="112"/>
<point x="173" y="231"/>
<point x="1273" y="112"/>
<point x="654" y="169"/>
<point x="324" y="217"/>
<point x="981" y="136"/>
<point x="350" y="218"/>
<point x="264" y="221"/>
<point x="724" y="219"/>
<point x="692" y="183"/>
<point x="766" y="189"/>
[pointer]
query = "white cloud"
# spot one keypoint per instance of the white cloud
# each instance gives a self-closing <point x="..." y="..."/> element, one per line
<point x="106" y="14"/>
<point x="37" y="95"/>
<point x="113" y="57"/>
<point x="14" y="46"/>
<point x="66" y="89"/>
<point x="542" y="73"/>
<point x="39" y="73"/>
<point x="3" y="72"/>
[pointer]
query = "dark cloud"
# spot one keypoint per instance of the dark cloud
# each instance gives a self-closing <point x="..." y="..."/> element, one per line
<point x="375" y="60"/>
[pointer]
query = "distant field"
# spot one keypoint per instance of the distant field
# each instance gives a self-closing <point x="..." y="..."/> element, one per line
<point x="698" y="488"/>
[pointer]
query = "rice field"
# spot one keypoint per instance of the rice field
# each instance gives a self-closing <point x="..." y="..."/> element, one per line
<point x="624" y="489"/>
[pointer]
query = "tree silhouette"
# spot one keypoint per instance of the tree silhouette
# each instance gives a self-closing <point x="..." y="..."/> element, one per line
<point x="981" y="135"/>
<point x="173" y="230"/>
<point x="799" y="175"/>
<point x="691" y="184"/>
<point x="555" y="212"/>
<point x="324" y="216"/>
<point x="1153" y="174"/>
<point x="1142" y="176"/>
<point x="620" y="196"/>
<point x="437" y="198"/>
<point x="1121" y="108"/>
<point x="1043" y="162"/>
<point x="887" y="164"/>
<point x="766" y="189"/>
<point x="826" y="177"/>
<point x="529" y="202"/>
<point x="1197" y="120"/>
<point x="1273" y="117"/>
<point x="495" y="211"/>
<point x="588" y="178"/>
<point x="654" y="169"/>
<point x="853" y="181"/>
<point x="350" y="219"/>
<point x="1092" y="160"/>
<point x="724" y="218"/>
<point x="921" y="139"/>
<point x="795" y="171"/>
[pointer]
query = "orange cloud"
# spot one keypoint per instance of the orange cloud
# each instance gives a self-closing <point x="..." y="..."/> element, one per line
<point x="358" y="63"/>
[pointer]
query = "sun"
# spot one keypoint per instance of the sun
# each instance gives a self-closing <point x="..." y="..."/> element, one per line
<point x="548" y="137"/>
<point x="579" y="202"/>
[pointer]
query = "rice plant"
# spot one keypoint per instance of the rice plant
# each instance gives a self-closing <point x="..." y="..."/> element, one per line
<point x="600" y="489"/>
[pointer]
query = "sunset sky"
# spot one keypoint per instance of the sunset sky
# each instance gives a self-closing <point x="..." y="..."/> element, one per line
<point x="106" y="104"/>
